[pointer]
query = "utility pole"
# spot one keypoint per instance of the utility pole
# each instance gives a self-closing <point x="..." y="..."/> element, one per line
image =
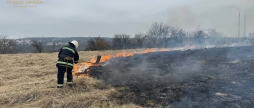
<point x="239" y="26"/>
<point x="244" y="32"/>
<point x="42" y="43"/>
<point x="54" y="44"/>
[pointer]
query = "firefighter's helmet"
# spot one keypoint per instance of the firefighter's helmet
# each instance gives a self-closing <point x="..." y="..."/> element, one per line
<point x="75" y="43"/>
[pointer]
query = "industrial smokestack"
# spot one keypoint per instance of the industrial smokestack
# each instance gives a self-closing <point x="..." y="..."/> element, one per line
<point x="239" y="26"/>
<point x="244" y="32"/>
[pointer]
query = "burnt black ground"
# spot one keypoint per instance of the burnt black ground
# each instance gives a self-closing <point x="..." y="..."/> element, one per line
<point x="202" y="78"/>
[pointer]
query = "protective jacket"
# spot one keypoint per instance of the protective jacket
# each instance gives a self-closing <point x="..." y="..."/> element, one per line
<point x="67" y="55"/>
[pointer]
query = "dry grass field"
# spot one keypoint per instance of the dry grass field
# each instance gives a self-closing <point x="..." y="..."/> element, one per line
<point x="200" y="78"/>
<point x="29" y="81"/>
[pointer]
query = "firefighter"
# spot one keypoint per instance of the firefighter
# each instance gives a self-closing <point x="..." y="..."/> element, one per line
<point x="66" y="57"/>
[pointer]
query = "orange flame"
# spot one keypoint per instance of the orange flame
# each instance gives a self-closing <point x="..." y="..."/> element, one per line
<point x="81" y="67"/>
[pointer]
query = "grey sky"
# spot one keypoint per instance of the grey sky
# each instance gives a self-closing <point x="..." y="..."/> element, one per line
<point x="69" y="18"/>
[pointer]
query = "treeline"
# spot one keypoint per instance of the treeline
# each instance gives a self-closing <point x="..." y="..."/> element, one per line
<point x="162" y="35"/>
<point x="159" y="35"/>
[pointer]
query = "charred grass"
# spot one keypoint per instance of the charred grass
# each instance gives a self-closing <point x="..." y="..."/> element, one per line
<point x="215" y="77"/>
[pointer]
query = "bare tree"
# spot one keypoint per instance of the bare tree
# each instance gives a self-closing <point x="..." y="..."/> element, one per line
<point x="121" y="41"/>
<point x="139" y="39"/>
<point x="38" y="45"/>
<point x="6" y="45"/>
<point x="199" y="36"/>
<point x="150" y="42"/>
<point x="181" y="35"/>
<point x="91" y="44"/>
<point x="160" y="31"/>
<point x="174" y="34"/>
<point x="101" y="44"/>
<point x="214" y="33"/>
<point x="177" y="35"/>
<point x="97" y="43"/>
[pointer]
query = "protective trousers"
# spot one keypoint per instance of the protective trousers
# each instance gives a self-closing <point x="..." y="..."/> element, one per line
<point x="60" y="76"/>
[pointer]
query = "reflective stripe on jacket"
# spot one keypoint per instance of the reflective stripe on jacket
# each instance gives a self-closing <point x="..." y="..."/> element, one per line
<point x="60" y="62"/>
<point x="67" y="51"/>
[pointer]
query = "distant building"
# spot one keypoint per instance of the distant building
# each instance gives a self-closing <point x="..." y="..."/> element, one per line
<point x="23" y="42"/>
<point x="57" y="43"/>
<point x="50" y="43"/>
<point x="61" y="43"/>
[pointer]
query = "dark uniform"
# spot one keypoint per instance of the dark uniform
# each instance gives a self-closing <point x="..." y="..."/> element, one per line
<point x="66" y="56"/>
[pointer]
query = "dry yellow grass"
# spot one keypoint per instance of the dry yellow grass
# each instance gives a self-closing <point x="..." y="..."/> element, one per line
<point x="29" y="81"/>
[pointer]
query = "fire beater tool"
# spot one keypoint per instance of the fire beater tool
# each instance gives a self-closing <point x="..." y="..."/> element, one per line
<point x="97" y="60"/>
<point x="94" y="63"/>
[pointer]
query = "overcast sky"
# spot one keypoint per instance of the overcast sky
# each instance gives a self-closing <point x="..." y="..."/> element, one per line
<point x="91" y="18"/>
